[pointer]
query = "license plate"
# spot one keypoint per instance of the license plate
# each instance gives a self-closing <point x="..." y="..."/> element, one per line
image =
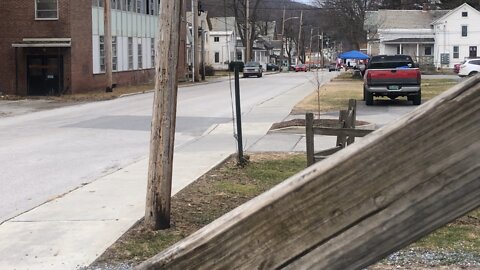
<point x="393" y="87"/>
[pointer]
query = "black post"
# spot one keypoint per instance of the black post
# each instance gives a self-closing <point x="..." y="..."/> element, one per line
<point x="238" y="112"/>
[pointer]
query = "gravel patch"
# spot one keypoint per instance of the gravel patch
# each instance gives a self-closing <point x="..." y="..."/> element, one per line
<point x="427" y="259"/>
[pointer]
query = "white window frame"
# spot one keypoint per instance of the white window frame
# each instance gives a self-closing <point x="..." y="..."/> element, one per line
<point x="215" y="57"/>
<point x="130" y="53"/>
<point x="101" y="44"/>
<point x="114" y="53"/>
<point x="45" y="19"/>
<point x="216" y="39"/>
<point x="456" y="53"/>
<point x="461" y="31"/>
<point x="140" y="55"/>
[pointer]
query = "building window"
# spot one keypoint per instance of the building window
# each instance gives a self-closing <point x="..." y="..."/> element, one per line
<point x="46" y="9"/>
<point x="472" y="52"/>
<point x="464" y="30"/>
<point x="152" y="51"/>
<point x="465" y="14"/>
<point x="130" y="53"/>
<point x="239" y="56"/>
<point x="114" y="54"/>
<point x="456" y="53"/>
<point x="216" y="39"/>
<point x="102" y="53"/>
<point x="151" y="7"/>
<point x="140" y="55"/>
<point x="428" y="50"/>
<point x="140" y="6"/>
<point x="399" y="49"/>
<point x="217" y="57"/>
<point x="130" y="5"/>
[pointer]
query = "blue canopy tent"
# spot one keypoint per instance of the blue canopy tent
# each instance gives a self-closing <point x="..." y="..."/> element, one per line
<point x="354" y="55"/>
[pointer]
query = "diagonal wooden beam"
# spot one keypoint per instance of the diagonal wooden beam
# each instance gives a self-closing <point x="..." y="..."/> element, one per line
<point x="376" y="196"/>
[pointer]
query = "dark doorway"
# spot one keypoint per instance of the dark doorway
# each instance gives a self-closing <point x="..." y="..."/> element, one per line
<point x="473" y="52"/>
<point x="44" y="75"/>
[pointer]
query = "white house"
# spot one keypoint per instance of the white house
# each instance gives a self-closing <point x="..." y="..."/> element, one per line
<point x="457" y="36"/>
<point x="426" y="35"/>
<point x="402" y="32"/>
<point x="222" y="42"/>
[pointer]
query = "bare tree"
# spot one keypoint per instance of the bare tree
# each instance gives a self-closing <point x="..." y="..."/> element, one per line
<point x="239" y="8"/>
<point x="347" y="17"/>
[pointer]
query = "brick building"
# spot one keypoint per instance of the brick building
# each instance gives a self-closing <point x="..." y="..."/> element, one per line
<point x="51" y="47"/>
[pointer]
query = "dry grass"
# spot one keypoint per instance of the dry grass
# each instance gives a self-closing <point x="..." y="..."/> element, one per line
<point x="333" y="96"/>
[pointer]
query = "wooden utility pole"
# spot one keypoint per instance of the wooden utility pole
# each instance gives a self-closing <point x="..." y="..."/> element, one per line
<point x="107" y="44"/>
<point x="157" y="210"/>
<point x="299" y="37"/>
<point x="196" y="44"/>
<point x="247" y="31"/>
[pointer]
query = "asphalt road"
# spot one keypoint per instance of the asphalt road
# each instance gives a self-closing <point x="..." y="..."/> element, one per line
<point x="46" y="154"/>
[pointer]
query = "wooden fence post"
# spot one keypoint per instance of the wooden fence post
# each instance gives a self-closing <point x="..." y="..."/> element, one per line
<point x="341" y="139"/>
<point x="309" y="137"/>
<point x="352" y="115"/>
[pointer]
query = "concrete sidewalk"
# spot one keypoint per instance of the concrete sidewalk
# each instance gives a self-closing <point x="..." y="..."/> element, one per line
<point x="71" y="231"/>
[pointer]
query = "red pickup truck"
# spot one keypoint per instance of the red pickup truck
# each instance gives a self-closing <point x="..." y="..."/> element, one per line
<point x="392" y="76"/>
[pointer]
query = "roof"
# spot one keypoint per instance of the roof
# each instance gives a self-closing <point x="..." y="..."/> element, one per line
<point x="402" y="19"/>
<point x="276" y="44"/>
<point x="454" y="10"/>
<point x="411" y="40"/>
<point x="223" y="24"/>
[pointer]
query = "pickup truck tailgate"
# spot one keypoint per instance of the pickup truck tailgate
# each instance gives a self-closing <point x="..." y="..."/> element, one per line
<point x="410" y="76"/>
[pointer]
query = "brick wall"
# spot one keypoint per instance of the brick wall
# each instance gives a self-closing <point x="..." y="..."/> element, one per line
<point x="17" y="21"/>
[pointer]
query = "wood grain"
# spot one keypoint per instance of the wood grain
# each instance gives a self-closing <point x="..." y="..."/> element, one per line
<point x="372" y="198"/>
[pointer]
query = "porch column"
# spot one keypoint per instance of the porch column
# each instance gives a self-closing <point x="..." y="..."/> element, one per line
<point x="418" y="52"/>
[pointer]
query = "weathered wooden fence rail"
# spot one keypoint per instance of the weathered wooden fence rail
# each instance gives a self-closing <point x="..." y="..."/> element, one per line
<point x="345" y="133"/>
<point x="374" y="197"/>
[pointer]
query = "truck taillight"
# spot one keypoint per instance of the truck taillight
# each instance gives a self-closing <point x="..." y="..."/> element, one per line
<point x="419" y="76"/>
<point x="369" y="77"/>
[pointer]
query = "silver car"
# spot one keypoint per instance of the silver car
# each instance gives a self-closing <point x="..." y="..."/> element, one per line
<point x="252" y="69"/>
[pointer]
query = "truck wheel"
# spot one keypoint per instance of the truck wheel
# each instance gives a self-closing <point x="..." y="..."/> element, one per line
<point x="417" y="100"/>
<point x="368" y="98"/>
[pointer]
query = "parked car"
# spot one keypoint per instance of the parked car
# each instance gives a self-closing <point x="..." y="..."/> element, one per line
<point x="469" y="67"/>
<point x="301" y="67"/>
<point x="333" y="67"/>
<point x="252" y="69"/>
<point x="291" y="68"/>
<point x="392" y="76"/>
<point x="272" y="67"/>
<point x="456" y="68"/>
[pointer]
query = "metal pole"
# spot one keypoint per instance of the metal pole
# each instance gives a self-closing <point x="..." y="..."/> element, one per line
<point x="282" y="57"/>
<point x="238" y="112"/>
<point x="247" y="30"/>
<point x="323" y="60"/>
<point x="195" y="48"/>
<point x="202" y="56"/>
<point x="311" y="37"/>
<point x="193" y="43"/>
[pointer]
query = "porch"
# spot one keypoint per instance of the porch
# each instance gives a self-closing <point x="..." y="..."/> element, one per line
<point x="420" y="49"/>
